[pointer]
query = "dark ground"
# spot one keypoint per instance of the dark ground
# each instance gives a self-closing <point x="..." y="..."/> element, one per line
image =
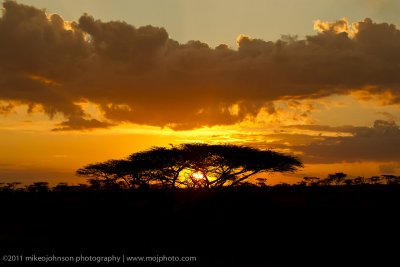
<point x="279" y="226"/>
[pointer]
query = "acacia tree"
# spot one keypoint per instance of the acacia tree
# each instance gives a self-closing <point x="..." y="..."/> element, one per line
<point x="230" y="165"/>
<point x="159" y="164"/>
<point x="191" y="165"/>
<point x="109" y="174"/>
<point x="312" y="181"/>
<point x="338" y="178"/>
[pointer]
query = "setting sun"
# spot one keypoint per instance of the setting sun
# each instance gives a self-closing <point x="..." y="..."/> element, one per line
<point x="198" y="175"/>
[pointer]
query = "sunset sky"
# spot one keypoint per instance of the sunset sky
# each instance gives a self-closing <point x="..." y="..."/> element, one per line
<point x="87" y="81"/>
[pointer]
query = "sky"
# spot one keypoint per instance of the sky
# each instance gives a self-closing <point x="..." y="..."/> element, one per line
<point x="83" y="83"/>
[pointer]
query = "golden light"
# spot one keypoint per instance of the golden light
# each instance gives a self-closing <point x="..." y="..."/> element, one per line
<point x="198" y="175"/>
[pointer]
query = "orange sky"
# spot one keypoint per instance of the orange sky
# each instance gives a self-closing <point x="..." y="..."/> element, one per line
<point x="73" y="93"/>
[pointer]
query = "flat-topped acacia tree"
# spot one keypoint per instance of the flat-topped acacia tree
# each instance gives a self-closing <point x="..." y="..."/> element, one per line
<point x="190" y="165"/>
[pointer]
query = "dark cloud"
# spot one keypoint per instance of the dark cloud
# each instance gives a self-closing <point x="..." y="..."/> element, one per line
<point x="39" y="57"/>
<point x="323" y="128"/>
<point x="79" y="123"/>
<point x="378" y="143"/>
<point x="140" y="75"/>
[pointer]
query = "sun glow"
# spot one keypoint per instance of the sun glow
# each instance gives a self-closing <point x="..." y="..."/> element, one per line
<point x="198" y="175"/>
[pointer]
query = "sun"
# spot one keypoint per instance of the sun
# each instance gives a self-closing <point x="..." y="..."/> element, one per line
<point x="198" y="175"/>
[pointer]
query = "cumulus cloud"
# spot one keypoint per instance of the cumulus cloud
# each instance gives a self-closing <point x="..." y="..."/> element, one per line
<point x="336" y="27"/>
<point x="141" y="75"/>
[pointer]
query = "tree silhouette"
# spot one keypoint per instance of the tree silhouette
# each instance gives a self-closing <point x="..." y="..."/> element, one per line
<point x="360" y="180"/>
<point x="311" y="180"/>
<point x="109" y="175"/>
<point x="348" y="181"/>
<point x="230" y="165"/>
<point x="62" y="187"/>
<point x="262" y="182"/>
<point x="189" y="165"/>
<point x="8" y="187"/>
<point x="390" y="179"/>
<point x="337" y="178"/>
<point x="159" y="164"/>
<point x="282" y="184"/>
<point x="374" y="179"/>
<point x="38" y="187"/>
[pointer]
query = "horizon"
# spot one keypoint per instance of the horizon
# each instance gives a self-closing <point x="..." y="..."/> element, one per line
<point x="80" y="88"/>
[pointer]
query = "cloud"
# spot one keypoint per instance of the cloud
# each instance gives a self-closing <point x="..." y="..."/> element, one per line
<point x="140" y="75"/>
<point x="6" y="108"/>
<point x="323" y="128"/>
<point x="321" y="144"/>
<point x="337" y="27"/>
<point x="79" y="123"/>
<point x="389" y="116"/>
<point x="377" y="143"/>
<point x="389" y="168"/>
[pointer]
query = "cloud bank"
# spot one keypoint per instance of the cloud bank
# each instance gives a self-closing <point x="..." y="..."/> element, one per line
<point x="378" y="143"/>
<point x="141" y="75"/>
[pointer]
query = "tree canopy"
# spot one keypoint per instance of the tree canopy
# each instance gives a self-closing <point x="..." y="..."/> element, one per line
<point x="189" y="165"/>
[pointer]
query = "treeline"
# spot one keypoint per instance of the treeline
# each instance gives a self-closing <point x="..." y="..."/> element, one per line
<point x="195" y="166"/>
<point x="341" y="178"/>
<point x="44" y="187"/>
<point x="336" y="179"/>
